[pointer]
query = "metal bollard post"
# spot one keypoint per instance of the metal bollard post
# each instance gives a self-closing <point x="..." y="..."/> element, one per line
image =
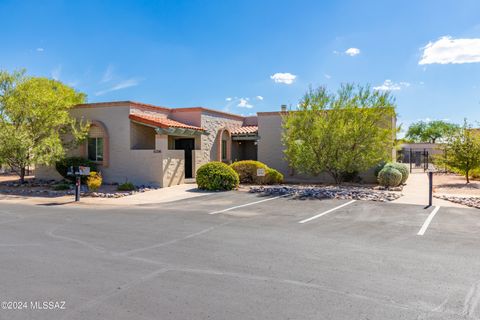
<point x="77" y="188"/>
<point x="430" y="188"/>
<point x="410" y="159"/>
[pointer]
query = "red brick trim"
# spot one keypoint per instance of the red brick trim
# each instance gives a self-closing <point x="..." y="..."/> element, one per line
<point x="121" y="104"/>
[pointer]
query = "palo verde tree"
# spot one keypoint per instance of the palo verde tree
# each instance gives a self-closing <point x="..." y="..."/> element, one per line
<point x="431" y="131"/>
<point x="340" y="133"/>
<point x="462" y="151"/>
<point x="35" y="124"/>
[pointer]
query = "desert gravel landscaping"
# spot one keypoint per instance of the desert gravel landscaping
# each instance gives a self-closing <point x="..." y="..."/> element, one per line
<point x="453" y="188"/>
<point x="328" y="192"/>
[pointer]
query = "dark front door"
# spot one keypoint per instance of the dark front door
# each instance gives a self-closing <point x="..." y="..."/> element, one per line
<point x="188" y="145"/>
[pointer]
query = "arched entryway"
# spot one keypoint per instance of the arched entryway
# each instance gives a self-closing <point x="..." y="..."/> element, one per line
<point x="224" y="145"/>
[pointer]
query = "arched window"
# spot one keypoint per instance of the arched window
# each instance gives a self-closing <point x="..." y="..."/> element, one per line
<point x="97" y="143"/>
<point x="224" y="144"/>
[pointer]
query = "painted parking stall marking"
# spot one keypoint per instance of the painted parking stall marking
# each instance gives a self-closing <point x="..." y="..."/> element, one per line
<point x="326" y="212"/>
<point x="428" y="221"/>
<point x="245" y="205"/>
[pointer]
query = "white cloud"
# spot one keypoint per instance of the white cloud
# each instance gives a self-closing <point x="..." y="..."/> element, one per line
<point x="228" y="99"/>
<point x="40" y="49"/>
<point x="448" y="50"/>
<point x="244" y="103"/>
<point x="108" y="75"/>
<point x="389" y="85"/>
<point x="286" y="77"/>
<point x="259" y="97"/>
<point x="327" y="76"/>
<point x="352" y="52"/>
<point x="56" y="72"/>
<point x="132" y="82"/>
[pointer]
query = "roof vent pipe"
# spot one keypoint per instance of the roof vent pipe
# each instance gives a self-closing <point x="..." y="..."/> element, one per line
<point x="283" y="107"/>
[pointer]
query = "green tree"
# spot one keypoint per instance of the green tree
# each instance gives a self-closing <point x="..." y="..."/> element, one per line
<point x="462" y="151"/>
<point x="340" y="133"/>
<point x="35" y="124"/>
<point x="431" y="131"/>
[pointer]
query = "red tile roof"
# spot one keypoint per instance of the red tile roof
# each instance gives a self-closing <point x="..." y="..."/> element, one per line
<point x="245" y="130"/>
<point x="161" y="122"/>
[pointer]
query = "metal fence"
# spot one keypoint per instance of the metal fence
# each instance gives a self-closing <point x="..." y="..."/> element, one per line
<point x="421" y="160"/>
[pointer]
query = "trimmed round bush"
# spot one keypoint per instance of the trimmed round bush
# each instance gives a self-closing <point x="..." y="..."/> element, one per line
<point x="400" y="167"/>
<point x="379" y="167"/>
<point x="217" y="175"/>
<point x="247" y="171"/>
<point x="389" y="177"/>
<point x="273" y="176"/>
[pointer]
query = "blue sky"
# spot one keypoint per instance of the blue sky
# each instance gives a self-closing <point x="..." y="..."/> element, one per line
<point x="248" y="56"/>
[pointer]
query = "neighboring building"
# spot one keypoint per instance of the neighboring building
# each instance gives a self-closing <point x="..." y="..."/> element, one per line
<point x="151" y="145"/>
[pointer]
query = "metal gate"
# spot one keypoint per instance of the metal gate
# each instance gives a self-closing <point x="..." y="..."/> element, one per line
<point x="416" y="159"/>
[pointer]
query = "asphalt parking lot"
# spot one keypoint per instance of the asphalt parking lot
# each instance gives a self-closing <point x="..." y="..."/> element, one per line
<point x="240" y="256"/>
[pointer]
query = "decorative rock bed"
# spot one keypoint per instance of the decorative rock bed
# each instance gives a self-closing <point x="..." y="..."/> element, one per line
<point x="328" y="192"/>
<point x="473" y="202"/>
<point x="45" y="188"/>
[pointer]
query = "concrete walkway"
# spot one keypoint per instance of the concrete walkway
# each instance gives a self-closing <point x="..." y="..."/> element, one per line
<point x="175" y="193"/>
<point x="416" y="192"/>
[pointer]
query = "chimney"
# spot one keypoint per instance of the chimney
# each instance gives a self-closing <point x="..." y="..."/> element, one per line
<point x="283" y="108"/>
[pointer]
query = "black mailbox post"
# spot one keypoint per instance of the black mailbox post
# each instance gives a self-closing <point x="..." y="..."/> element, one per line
<point x="78" y="172"/>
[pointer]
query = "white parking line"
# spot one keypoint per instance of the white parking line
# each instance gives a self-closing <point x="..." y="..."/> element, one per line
<point x="245" y="205"/>
<point x="328" y="211"/>
<point x="427" y="222"/>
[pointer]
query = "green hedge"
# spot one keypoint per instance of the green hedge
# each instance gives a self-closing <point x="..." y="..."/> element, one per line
<point x="217" y="175"/>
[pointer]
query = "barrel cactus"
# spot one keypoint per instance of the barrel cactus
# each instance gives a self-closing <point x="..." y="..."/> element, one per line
<point x="402" y="168"/>
<point x="389" y="177"/>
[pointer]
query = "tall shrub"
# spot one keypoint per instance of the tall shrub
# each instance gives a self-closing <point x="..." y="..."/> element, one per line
<point x="347" y="131"/>
<point x="463" y="151"/>
<point x="35" y="121"/>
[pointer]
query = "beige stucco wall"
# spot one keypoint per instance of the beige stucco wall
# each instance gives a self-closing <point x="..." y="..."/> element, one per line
<point x="173" y="168"/>
<point x="141" y="167"/>
<point x="141" y="137"/>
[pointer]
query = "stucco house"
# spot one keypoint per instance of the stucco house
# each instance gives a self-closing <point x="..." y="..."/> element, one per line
<point x="152" y="145"/>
